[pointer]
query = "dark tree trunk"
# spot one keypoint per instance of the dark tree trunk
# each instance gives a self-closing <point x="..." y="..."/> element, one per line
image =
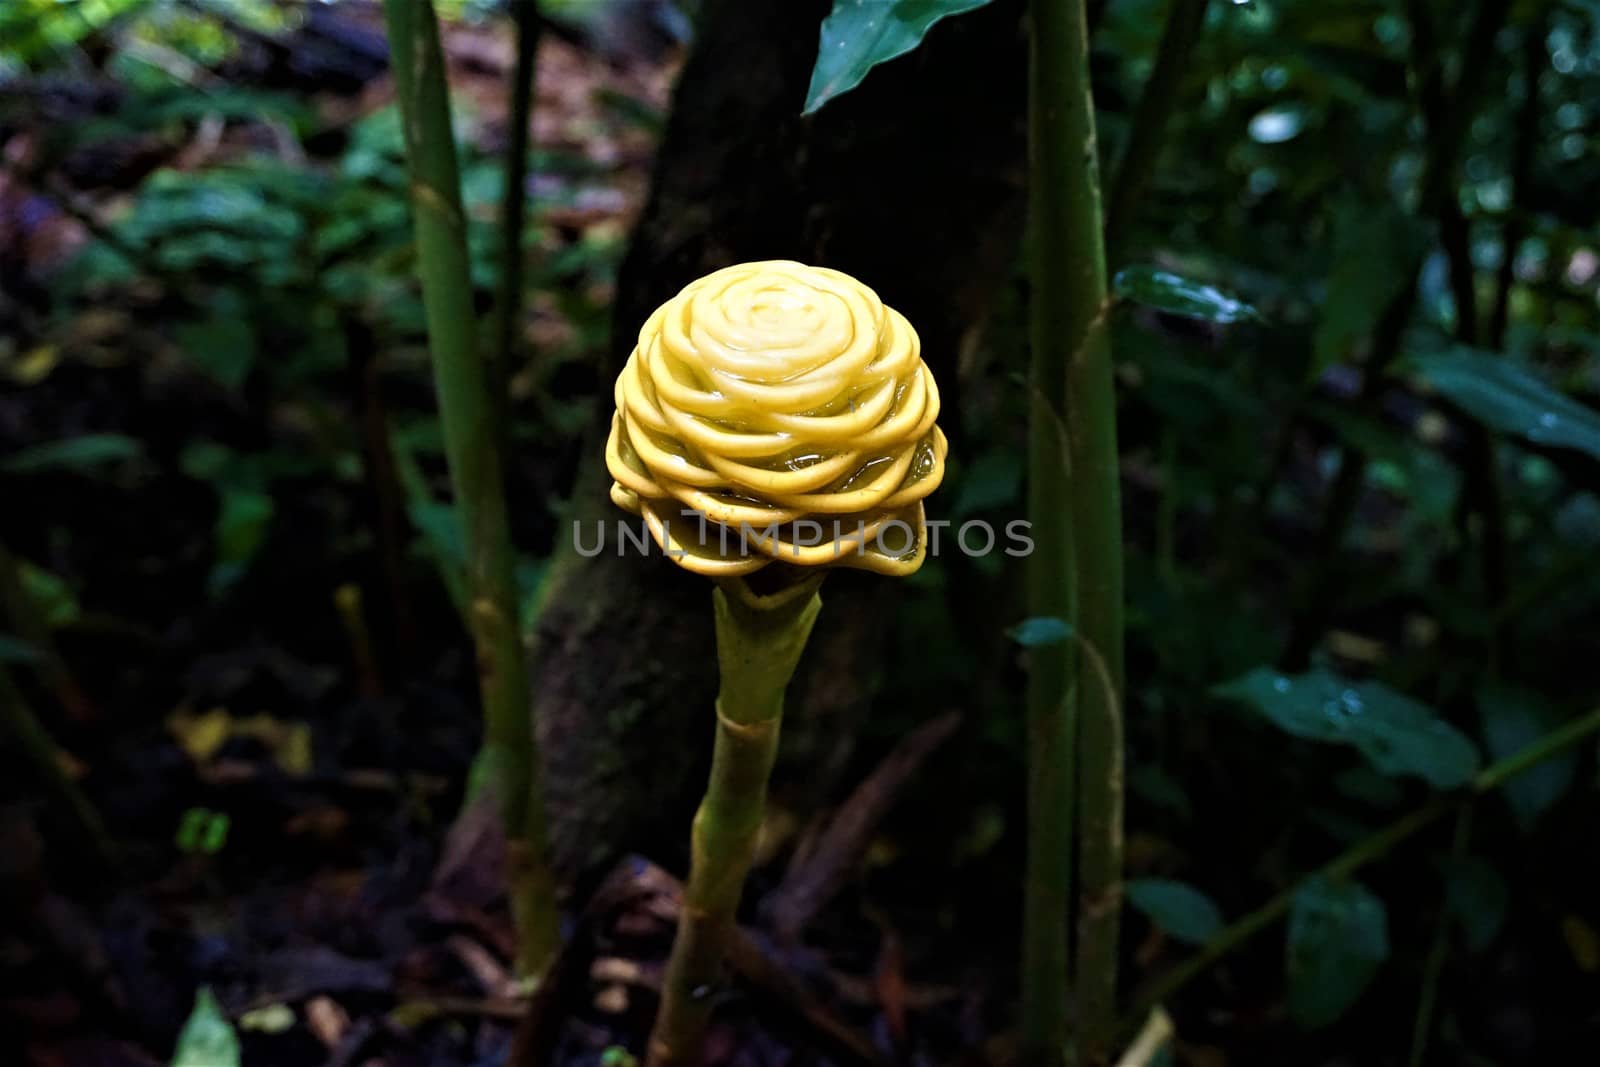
<point x="913" y="182"/>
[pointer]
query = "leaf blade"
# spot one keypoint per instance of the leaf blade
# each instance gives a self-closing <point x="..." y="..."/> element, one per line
<point x="1176" y="295"/>
<point x="1397" y="735"/>
<point x="857" y="35"/>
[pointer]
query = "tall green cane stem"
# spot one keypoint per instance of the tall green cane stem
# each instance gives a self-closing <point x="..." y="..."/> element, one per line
<point x="476" y="473"/>
<point x="1076" y="572"/>
<point x="759" y="643"/>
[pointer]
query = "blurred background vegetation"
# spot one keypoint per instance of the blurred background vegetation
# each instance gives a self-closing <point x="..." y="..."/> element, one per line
<point x="1357" y="345"/>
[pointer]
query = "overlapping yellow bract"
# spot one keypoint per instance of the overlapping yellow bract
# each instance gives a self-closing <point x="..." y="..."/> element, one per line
<point x="788" y="407"/>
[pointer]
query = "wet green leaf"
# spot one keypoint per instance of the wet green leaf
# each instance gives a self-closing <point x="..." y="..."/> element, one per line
<point x="1174" y="295"/>
<point x="859" y="34"/>
<point x="1513" y="719"/>
<point x="1397" y="735"/>
<point x="1177" y="907"/>
<point x="74" y="453"/>
<point x="1040" y="630"/>
<point x="1338" y="938"/>
<point x="207" y="1039"/>
<point x="1508" y="397"/>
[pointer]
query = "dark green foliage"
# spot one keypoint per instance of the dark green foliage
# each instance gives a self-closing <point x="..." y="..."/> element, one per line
<point x="1338" y="938"/>
<point x="1397" y="735"/>
<point x="1176" y="907"/>
<point x="860" y="34"/>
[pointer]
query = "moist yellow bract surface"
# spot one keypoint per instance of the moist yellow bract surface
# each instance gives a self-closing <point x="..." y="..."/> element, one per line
<point x="774" y="411"/>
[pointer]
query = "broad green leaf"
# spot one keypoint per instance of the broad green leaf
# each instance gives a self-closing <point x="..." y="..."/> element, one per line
<point x="1477" y="896"/>
<point x="859" y="34"/>
<point x="207" y="1039"/>
<point x="224" y="346"/>
<point x="1512" y="720"/>
<point x="1338" y="938"/>
<point x="242" y="525"/>
<point x="52" y="598"/>
<point x="1374" y="256"/>
<point x="1397" y="735"/>
<point x="1510" y="398"/>
<point x="1177" y="907"/>
<point x="1040" y="630"/>
<point x="1174" y="295"/>
<point x="74" y="453"/>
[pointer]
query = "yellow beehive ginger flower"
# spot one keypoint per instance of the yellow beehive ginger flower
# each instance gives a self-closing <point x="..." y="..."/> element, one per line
<point x="778" y="412"/>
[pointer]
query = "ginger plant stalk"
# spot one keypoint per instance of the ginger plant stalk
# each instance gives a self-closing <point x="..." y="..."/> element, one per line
<point x="759" y="643"/>
<point x="734" y="379"/>
<point x="1075" y="725"/>
<point x="466" y="406"/>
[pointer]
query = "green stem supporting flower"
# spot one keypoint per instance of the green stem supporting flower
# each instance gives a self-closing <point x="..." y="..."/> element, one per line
<point x="759" y="643"/>
<point x="466" y="407"/>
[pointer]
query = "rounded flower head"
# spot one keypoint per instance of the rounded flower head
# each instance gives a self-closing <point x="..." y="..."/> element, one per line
<point x="778" y="412"/>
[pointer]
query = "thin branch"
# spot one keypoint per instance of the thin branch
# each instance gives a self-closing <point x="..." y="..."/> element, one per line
<point x="472" y="450"/>
<point x="1160" y="99"/>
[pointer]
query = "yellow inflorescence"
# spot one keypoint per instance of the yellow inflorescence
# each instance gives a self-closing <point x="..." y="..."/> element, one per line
<point x="778" y="412"/>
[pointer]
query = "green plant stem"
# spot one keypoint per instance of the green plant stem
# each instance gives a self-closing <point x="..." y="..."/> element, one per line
<point x="1438" y="950"/>
<point x="1075" y="733"/>
<point x="1052" y="669"/>
<point x="514" y="202"/>
<point x="476" y="474"/>
<point x="1362" y="853"/>
<point x="24" y="735"/>
<point x="759" y="643"/>
<point x="1526" y="141"/>
<point x="1143" y="151"/>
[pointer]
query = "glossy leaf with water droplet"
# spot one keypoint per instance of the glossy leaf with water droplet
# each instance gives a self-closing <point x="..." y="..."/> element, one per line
<point x="1396" y="734"/>
<point x="1338" y="938"/>
<point x="859" y="34"/>
<point x="1508" y="397"/>
<point x="1176" y="295"/>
